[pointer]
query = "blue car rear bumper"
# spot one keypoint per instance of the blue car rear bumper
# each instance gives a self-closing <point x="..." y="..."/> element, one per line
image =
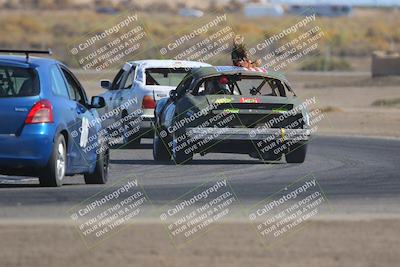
<point x="28" y="151"/>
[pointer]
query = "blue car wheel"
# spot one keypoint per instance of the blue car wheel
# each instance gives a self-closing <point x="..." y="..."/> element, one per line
<point x="53" y="174"/>
<point x="100" y="173"/>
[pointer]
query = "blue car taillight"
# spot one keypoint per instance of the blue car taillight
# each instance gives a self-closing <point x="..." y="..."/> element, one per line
<point x="41" y="112"/>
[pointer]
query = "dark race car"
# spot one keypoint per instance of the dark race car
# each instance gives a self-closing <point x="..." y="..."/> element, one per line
<point x="231" y="110"/>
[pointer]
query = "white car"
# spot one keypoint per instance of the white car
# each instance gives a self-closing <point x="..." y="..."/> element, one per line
<point x="131" y="97"/>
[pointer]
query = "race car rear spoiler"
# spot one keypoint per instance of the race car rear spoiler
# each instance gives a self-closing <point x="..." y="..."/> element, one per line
<point x="26" y="52"/>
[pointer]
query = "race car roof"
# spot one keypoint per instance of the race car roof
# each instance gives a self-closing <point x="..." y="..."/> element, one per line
<point x="21" y="61"/>
<point x="230" y="70"/>
<point x="155" y="63"/>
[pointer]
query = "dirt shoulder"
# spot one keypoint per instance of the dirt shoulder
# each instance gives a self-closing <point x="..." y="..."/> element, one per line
<point x="353" y="104"/>
<point x="320" y="243"/>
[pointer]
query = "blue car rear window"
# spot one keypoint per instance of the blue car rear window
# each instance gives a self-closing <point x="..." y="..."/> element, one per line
<point x="18" y="82"/>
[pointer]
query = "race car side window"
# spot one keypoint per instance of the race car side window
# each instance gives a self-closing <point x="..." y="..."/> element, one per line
<point x="277" y="87"/>
<point x="58" y="85"/>
<point x="74" y="88"/>
<point x="184" y="86"/>
<point x="117" y="80"/>
<point x="129" y="78"/>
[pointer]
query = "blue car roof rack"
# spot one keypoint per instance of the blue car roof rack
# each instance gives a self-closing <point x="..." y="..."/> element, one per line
<point x="26" y="52"/>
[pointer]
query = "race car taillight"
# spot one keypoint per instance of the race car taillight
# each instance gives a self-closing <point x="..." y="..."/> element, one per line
<point x="148" y="102"/>
<point x="41" y="112"/>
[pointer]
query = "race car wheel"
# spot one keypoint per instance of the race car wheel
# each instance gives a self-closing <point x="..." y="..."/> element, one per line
<point x="54" y="172"/>
<point x="178" y="153"/>
<point x="160" y="148"/>
<point x="100" y="174"/>
<point x="297" y="155"/>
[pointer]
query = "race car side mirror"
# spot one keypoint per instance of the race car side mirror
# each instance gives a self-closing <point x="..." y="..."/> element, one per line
<point x="98" y="102"/>
<point x="173" y="95"/>
<point x="106" y="84"/>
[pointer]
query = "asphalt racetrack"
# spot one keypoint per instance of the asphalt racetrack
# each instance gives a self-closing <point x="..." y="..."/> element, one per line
<point x="359" y="176"/>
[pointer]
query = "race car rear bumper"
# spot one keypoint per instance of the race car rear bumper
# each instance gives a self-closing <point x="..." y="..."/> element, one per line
<point x="268" y="134"/>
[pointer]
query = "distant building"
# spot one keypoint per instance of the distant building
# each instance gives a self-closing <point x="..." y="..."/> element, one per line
<point x="263" y="10"/>
<point x="385" y="64"/>
<point x="320" y="10"/>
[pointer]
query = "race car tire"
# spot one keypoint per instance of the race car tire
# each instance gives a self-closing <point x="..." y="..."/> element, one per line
<point x="53" y="174"/>
<point x="179" y="155"/>
<point x="100" y="173"/>
<point x="160" y="148"/>
<point x="297" y="155"/>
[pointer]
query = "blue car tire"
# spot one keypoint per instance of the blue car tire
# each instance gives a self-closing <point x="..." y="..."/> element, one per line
<point x="100" y="174"/>
<point x="53" y="174"/>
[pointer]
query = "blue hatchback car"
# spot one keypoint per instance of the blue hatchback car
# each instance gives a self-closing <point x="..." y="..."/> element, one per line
<point x="48" y="129"/>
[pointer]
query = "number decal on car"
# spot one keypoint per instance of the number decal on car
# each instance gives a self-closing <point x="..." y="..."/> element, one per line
<point x="84" y="132"/>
